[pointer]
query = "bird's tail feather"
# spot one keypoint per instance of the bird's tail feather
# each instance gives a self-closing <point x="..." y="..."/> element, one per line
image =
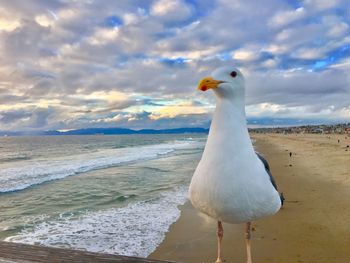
<point x="282" y="198"/>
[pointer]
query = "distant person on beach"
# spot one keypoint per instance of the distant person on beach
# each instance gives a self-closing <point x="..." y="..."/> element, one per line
<point x="338" y="141"/>
<point x="290" y="154"/>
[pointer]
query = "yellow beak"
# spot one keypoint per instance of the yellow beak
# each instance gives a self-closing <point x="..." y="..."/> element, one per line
<point x="208" y="83"/>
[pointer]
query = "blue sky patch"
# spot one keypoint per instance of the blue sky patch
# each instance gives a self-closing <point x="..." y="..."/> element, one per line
<point x="295" y="3"/>
<point x="174" y="61"/>
<point x="113" y="21"/>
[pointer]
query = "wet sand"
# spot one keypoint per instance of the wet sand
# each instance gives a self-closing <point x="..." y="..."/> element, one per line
<point x="313" y="226"/>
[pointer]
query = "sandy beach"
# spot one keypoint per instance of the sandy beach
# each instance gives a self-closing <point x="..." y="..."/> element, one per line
<point x="313" y="226"/>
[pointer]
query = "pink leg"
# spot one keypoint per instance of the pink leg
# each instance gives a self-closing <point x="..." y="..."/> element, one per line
<point x="220" y="234"/>
<point x="247" y="242"/>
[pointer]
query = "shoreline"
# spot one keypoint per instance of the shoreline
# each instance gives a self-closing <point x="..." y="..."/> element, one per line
<point x="312" y="226"/>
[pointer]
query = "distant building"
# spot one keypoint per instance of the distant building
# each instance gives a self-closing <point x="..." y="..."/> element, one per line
<point x="343" y="128"/>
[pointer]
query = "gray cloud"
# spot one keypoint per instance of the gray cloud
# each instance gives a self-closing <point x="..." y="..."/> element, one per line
<point x="34" y="118"/>
<point x="326" y="88"/>
<point x="7" y="117"/>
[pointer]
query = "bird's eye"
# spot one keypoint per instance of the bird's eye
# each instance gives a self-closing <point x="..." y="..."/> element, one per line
<point x="233" y="74"/>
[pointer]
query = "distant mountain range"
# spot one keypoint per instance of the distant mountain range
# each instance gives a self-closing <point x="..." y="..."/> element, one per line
<point x="253" y="122"/>
<point x="105" y="131"/>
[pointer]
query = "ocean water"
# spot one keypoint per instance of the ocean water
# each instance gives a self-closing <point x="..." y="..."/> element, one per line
<point x="113" y="194"/>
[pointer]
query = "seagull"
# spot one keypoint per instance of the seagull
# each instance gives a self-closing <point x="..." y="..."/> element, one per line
<point x="232" y="183"/>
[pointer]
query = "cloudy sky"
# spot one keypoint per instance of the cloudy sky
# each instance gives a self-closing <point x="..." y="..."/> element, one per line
<point x="127" y="63"/>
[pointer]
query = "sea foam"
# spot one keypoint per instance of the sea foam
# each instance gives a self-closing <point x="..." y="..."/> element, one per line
<point x="134" y="230"/>
<point x="35" y="172"/>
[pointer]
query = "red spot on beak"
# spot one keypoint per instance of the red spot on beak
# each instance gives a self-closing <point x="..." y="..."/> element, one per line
<point x="204" y="88"/>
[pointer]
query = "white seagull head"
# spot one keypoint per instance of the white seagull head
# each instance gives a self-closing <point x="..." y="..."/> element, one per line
<point x="226" y="82"/>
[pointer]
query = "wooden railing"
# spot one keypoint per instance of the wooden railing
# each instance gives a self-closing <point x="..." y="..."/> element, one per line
<point x="22" y="253"/>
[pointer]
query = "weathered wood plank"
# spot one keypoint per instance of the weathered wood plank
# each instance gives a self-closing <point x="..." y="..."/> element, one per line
<point x="15" y="252"/>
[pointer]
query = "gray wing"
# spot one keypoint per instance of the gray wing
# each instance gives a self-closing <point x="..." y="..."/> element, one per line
<point x="267" y="168"/>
